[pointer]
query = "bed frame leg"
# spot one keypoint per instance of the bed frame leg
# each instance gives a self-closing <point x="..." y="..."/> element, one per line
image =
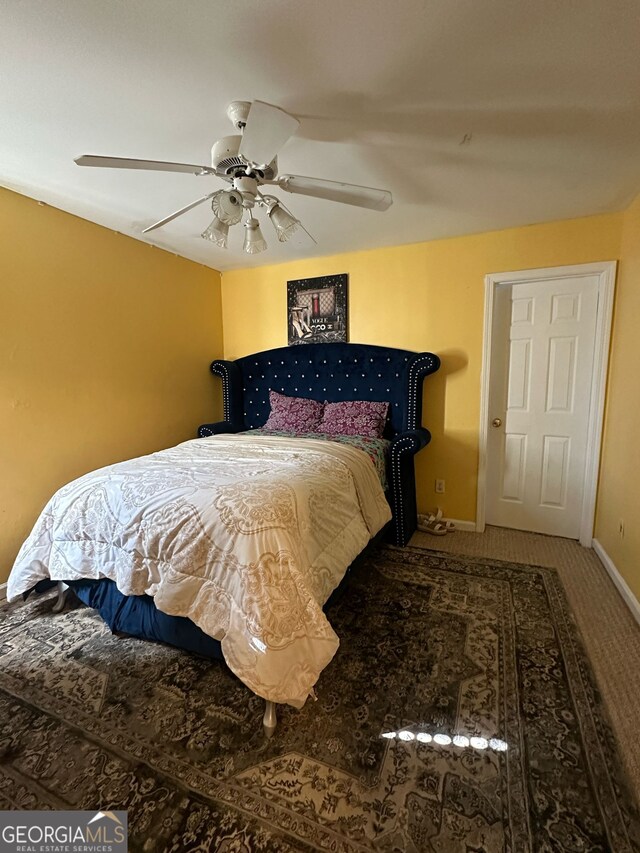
<point x="269" y="721"/>
<point x="63" y="589"/>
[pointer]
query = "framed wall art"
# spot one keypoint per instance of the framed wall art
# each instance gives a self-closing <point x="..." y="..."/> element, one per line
<point x="317" y="309"/>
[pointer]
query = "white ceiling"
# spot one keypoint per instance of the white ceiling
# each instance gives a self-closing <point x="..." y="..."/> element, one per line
<point x="476" y="114"/>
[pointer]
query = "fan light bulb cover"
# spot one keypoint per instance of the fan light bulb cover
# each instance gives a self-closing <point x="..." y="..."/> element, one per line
<point x="285" y="224"/>
<point x="254" y="242"/>
<point x="217" y="233"/>
<point x="227" y="206"/>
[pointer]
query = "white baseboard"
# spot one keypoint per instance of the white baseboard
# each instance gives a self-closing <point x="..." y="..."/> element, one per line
<point x="3" y="592"/>
<point x="623" y="588"/>
<point x="469" y="526"/>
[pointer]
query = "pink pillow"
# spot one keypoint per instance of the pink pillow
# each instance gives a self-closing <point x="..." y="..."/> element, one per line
<point x="354" y="417"/>
<point x="294" y="414"/>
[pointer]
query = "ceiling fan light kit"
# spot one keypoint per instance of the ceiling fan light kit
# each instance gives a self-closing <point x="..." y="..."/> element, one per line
<point x="227" y="206"/>
<point x="249" y="161"/>
<point x="285" y="224"/>
<point x="217" y="233"/>
<point x="254" y="242"/>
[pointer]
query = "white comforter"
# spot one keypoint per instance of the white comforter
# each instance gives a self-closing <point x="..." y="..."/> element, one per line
<point x="246" y="536"/>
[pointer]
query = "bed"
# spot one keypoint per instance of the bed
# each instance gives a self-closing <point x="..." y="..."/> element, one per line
<point x="221" y="545"/>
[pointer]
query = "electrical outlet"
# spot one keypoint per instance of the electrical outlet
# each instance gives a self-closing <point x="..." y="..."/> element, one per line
<point x="621" y="528"/>
<point x="440" y="487"/>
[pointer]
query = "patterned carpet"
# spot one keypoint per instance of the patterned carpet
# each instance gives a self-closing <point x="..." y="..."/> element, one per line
<point x="460" y="714"/>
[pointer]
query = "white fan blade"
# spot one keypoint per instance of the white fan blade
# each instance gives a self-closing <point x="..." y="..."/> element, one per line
<point x="369" y="197"/>
<point x="178" y="213"/>
<point x="152" y="165"/>
<point x="267" y="130"/>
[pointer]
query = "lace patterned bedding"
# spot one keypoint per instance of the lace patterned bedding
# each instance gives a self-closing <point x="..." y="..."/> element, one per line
<point x="377" y="449"/>
<point x="245" y="535"/>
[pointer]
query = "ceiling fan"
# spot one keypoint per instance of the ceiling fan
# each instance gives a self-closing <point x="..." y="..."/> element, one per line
<point x="248" y="162"/>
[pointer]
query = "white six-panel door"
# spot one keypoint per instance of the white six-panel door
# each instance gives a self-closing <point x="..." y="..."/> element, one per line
<point x="544" y="337"/>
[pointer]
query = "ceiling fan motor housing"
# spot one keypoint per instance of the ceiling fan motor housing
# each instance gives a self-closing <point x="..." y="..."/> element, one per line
<point x="238" y="113"/>
<point x="227" y="162"/>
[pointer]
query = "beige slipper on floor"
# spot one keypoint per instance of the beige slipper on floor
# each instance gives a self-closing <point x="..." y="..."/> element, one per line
<point x="434" y="523"/>
<point x="435" y="528"/>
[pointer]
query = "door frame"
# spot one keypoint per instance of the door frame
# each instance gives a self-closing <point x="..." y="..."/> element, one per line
<point x="606" y="272"/>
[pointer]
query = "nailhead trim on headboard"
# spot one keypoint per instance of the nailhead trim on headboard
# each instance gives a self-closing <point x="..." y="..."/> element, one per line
<point x="396" y="481"/>
<point x="403" y="498"/>
<point x="219" y="368"/>
<point x="421" y="366"/>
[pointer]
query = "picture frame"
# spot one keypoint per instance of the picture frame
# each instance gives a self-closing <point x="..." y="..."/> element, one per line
<point x="317" y="310"/>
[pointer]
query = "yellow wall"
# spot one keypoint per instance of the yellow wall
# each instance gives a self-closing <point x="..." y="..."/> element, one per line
<point x="618" y="493"/>
<point x="105" y="347"/>
<point x="425" y="296"/>
<point x="104" y="351"/>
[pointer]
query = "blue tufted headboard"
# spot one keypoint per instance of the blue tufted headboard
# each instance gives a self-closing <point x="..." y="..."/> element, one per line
<point x="330" y="372"/>
<point x="336" y="372"/>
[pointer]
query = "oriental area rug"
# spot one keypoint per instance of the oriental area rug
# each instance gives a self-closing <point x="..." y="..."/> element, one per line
<point x="459" y="714"/>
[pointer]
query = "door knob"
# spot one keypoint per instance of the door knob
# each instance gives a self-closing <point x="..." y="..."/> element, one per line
<point x="496" y="422"/>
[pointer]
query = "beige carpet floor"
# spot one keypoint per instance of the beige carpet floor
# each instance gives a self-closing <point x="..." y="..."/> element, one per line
<point x="610" y="633"/>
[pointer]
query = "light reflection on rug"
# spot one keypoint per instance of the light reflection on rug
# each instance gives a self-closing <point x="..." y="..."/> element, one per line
<point x="459" y="714"/>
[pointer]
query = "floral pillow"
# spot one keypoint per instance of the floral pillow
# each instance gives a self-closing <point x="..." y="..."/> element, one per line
<point x="354" y="417"/>
<point x="294" y="414"/>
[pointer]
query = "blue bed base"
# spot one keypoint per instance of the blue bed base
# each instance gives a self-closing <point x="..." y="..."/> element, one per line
<point x="137" y="616"/>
